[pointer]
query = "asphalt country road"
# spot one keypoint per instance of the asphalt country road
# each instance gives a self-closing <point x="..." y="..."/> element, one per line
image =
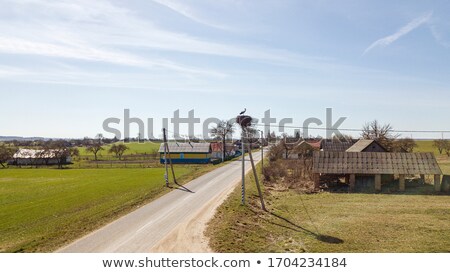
<point x="173" y="223"/>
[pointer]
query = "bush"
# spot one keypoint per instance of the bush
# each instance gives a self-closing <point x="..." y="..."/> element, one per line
<point x="289" y="174"/>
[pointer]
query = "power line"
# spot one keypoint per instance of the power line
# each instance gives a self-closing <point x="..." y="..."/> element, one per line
<point x="350" y="129"/>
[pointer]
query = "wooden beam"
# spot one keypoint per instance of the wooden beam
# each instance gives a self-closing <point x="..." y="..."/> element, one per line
<point x="378" y="182"/>
<point x="401" y="181"/>
<point x="352" y="182"/>
<point x="422" y="177"/>
<point x="316" y="181"/>
<point x="437" y="182"/>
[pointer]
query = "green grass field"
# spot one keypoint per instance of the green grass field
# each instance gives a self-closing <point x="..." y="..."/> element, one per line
<point x="427" y="146"/>
<point x="43" y="209"/>
<point x="327" y="223"/>
<point x="134" y="148"/>
<point x="332" y="222"/>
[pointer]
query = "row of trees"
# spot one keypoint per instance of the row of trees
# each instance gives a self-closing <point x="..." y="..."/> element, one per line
<point x="5" y="154"/>
<point x="60" y="151"/>
<point x="442" y="145"/>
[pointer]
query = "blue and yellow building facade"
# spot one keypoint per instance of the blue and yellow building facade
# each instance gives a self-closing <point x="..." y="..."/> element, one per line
<point x="186" y="153"/>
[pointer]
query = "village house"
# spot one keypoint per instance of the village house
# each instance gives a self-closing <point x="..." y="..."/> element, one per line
<point x="217" y="150"/>
<point x="301" y="149"/>
<point x="366" y="145"/>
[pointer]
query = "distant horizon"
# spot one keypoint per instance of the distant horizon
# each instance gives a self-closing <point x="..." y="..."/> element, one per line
<point x="160" y="139"/>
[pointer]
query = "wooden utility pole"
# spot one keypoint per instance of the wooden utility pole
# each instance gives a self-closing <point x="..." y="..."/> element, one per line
<point x="166" y="175"/>
<point x="263" y="206"/>
<point x="167" y="154"/>
<point x="243" y="167"/>
<point x="262" y="150"/>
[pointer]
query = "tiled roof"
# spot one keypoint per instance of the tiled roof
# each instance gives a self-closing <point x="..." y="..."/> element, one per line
<point x="187" y="147"/>
<point x="336" y="146"/>
<point x="314" y="144"/>
<point x="375" y="163"/>
<point x="28" y="153"/>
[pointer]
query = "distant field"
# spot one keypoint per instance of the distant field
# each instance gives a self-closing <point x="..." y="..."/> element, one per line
<point x="425" y="146"/>
<point x="416" y="222"/>
<point x="42" y="209"/>
<point x="134" y="148"/>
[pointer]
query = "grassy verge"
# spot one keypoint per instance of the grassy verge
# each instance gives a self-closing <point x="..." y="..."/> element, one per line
<point x="43" y="209"/>
<point x="332" y="222"/>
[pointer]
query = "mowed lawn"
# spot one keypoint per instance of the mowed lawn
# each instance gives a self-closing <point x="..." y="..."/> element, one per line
<point x="43" y="209"/>
<point x="332" y="222"/>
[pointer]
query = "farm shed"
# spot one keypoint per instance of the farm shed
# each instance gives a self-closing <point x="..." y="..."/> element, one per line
<point x="187" y="153"/>
<point x="373" y="164"/>
<point x="24" y="157"/>
<point x="366" y="145"/>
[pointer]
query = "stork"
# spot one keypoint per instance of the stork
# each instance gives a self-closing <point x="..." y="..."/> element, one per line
<point x="243" y="112"/>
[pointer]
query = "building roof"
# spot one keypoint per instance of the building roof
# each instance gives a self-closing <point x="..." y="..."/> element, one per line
<point x="375" y="163"/>
<point x="199" y="148"/>
<point x="363" y="144"/>
<point x="334" y="146"/>
<point x="315" y="143"/>
<point x="29" y="153"/>
<point x="304" y="145"/>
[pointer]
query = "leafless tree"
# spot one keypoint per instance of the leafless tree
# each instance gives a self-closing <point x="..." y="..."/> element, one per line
<point x="404" y="145"/>
<point x="440" y="144"/>
<point x="276" y="151"/>
<point x="94" y="148"/>
<point x="222" y="130"/>
<point x="118" y="150"/>
<point x="384" y="134"/>
<point x="59" y="150"/>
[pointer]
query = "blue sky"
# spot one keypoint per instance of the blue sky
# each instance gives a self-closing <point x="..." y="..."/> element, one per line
<point x="65" y="66"/>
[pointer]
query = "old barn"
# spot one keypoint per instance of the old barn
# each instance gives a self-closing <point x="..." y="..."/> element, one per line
<point x="363" y="166"/>
<point x="187" y="153"/>
<point x="24" y="157"/>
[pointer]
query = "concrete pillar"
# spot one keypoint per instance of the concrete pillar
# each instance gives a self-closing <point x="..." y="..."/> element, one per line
<point x="352" y="182"/>
<point x="401" y="181"/>
<point x="378" y="182"/>
<point x="437" y="182"/>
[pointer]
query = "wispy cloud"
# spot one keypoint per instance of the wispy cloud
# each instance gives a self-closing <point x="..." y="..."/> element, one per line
<point x="103" y="38"/>
<point x="102" y="32"/>
<point x="188" y="12"/>
<point x="385" y="41"/>
<point x="438" y="35"/>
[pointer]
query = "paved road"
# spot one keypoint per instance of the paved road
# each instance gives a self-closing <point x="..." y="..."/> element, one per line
<point x="144" y="229"/>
